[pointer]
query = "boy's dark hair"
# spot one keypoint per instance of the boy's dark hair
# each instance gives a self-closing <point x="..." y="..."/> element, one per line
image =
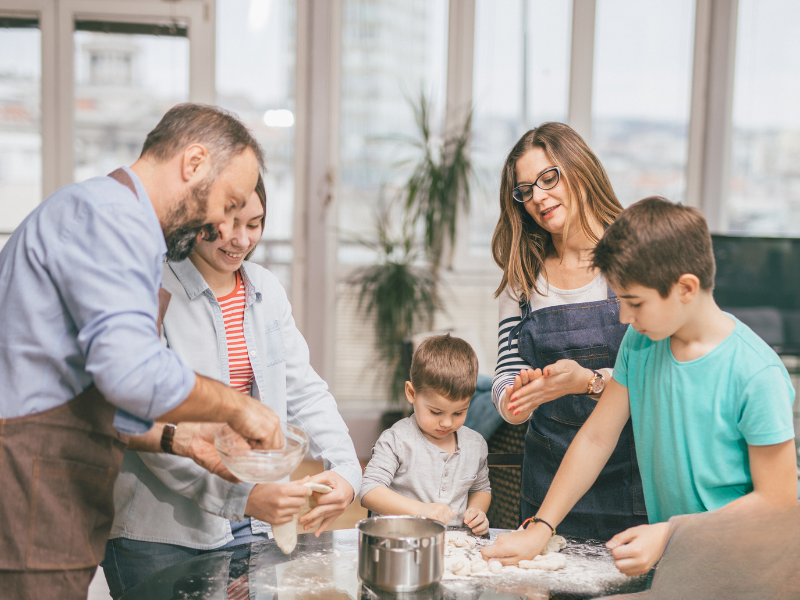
<point x="219" y="130"/>
<point x="652" y="243"/>
<point x="446" y="365"/>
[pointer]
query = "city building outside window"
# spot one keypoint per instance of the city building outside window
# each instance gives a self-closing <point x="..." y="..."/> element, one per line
<point x="20" y="121"/>
<point x="642" y="93"/>
<point x="764" y="193"/>
<point x="255" y="78"/>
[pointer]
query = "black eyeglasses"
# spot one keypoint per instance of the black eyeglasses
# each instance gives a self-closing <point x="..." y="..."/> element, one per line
<point x="546" y="181"/>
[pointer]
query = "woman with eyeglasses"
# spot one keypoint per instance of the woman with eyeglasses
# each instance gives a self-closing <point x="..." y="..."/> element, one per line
<point x="559" y="327"/>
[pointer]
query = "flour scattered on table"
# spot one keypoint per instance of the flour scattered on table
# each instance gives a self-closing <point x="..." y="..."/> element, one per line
<point x="462" y="557"/>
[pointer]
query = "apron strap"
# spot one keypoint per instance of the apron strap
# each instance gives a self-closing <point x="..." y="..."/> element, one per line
<point x="121" y="176"/>
<point x="525" y="310"/>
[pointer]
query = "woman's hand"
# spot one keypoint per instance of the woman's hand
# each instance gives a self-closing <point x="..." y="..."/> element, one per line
<point x="532" y="388"/>
<point x="330" y="505"/>
<point x="277" y="503"/>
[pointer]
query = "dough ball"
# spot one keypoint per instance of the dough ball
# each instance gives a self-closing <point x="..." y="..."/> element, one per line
<point x="480" y="565"/>
<point x="495" y="566"/>
<point x="464" y="571"/>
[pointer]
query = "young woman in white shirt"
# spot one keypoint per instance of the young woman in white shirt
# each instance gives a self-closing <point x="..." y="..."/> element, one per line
<point x="229" y="319"/>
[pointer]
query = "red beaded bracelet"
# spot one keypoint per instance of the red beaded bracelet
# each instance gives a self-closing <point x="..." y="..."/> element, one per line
<point x="538" y="520"/>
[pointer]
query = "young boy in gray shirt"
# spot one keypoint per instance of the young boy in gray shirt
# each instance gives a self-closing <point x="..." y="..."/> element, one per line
<point x="428" y="464"/>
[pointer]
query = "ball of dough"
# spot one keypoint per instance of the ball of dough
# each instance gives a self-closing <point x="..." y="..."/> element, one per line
<point x="495" y="566"/>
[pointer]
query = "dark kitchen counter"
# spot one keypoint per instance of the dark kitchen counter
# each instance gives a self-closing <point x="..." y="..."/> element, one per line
<point x="326" y="568"/>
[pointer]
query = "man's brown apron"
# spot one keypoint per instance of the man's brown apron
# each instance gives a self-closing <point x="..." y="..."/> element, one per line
<point x="57" y="473"/>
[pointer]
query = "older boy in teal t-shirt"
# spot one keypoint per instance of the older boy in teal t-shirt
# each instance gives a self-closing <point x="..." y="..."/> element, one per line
<point x="710" y="402"/>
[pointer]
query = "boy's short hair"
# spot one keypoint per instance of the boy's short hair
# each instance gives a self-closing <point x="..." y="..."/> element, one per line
<point x="446" y="365"/>
<point x="652" y="243"/>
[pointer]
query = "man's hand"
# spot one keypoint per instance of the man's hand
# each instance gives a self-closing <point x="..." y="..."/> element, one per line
<point x="438" y="511"/>
<point x="257" y="423"/>
<point x="277" y="503"/>
<point x="196" y="441"/>
<point x="532" y="388"/>
<point x="330" y="505"/>
<point x="476" y="520"/>
<point x="638" y="549"/>
<point x="510" y="548"/>
<point x="213" y="401"/>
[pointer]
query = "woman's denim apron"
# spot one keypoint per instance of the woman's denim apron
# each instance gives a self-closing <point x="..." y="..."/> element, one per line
<point x="590" y="334"/>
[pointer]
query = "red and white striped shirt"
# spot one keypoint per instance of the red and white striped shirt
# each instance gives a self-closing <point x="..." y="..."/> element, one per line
<point x="241" y="372"/>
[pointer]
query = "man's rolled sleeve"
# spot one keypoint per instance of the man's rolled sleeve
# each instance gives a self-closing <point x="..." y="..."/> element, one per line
<point x="382" y="466"/>
<point x="114" y="305"/>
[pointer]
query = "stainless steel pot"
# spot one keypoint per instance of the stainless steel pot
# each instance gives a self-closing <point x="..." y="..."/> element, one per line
<point x="400" y="554"/>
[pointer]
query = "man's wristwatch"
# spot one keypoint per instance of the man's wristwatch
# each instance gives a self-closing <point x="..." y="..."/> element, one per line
<point x="596" y="384"/>
<point x="167" y="437"/>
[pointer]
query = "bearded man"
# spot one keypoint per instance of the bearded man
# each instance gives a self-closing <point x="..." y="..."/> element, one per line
<point x="81" y="363"/>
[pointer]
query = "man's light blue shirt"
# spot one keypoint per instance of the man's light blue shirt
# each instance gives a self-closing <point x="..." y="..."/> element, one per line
<point x="693" y="421"/>
<point x="79" y="283"/>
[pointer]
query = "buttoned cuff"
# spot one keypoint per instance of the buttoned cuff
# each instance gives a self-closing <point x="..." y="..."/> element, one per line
<point x="351" y="476"/>
<point x="129" y="424"/>
<point x="236" y="502"/>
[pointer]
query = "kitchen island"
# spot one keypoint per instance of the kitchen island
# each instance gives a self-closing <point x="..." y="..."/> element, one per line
<point x="326" y="568"/>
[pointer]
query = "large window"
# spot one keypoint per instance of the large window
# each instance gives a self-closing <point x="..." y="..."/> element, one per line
<point x="20" y="121"/>
<point x="127" y="76"/>
<point x="521" y="79"/>
<point x="764" y="195"/>
<point x="256" y="79"/>
<point x="642" y="85"/>
<point x="391" y="52"/>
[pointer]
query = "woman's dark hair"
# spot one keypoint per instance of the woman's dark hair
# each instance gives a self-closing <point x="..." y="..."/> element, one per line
<point x="519" y="244"/>
<point x="261" y="192"/>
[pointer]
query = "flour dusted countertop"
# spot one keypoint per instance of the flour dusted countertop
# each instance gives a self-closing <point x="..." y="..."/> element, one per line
<point x="326" y="568"/>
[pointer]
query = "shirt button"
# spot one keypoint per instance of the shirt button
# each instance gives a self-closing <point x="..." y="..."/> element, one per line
<point x="252" y="352"/>
<point x="445" y="473"/>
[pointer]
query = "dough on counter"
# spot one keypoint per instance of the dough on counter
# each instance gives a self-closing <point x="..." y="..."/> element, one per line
<point x="495" y="566"/>
<point x="555" y="544"/>
<point x="549" y="562"/>
<point x="285" y="535"/>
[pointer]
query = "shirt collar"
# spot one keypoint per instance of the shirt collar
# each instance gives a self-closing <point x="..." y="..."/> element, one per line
<point x="190" y="278"/>
<point x="194" y="284"/>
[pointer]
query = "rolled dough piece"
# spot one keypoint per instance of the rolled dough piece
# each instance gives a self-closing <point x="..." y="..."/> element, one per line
<point x="495" y="566"/>
<point x="457" y="539"/>
<point x="550" y="562"/>
<point x="463" y="571"/>
<point x="285" y="535"/>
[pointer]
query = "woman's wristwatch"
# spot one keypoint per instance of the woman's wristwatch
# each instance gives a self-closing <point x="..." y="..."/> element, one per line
<point x="596" y="384"/>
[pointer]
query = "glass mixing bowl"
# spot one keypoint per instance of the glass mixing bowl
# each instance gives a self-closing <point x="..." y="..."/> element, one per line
<point x="261" y="466"/>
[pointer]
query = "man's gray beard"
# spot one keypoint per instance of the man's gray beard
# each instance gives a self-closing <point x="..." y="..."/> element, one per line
<point x="187" y="222"/>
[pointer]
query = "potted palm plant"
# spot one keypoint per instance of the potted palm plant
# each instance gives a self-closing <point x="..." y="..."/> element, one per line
<point x="401" y="288"/>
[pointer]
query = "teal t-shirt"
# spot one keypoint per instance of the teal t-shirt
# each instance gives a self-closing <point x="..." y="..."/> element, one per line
<point x="693" y="420"/>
